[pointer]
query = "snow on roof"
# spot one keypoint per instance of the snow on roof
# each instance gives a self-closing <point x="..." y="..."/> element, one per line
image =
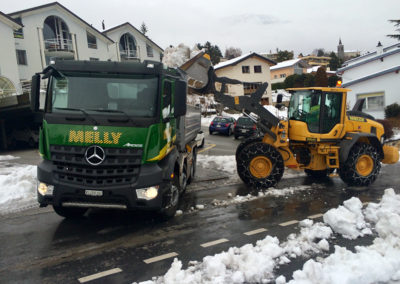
<point x="231" y="61"/>
<point x="286" y="63"/>
<point x="313" y="69"/>
<point x="373" y="75"/>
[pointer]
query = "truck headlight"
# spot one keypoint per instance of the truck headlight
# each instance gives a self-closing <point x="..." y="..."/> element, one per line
<point x="45" y="189"/>
<point x="148" y="193"/>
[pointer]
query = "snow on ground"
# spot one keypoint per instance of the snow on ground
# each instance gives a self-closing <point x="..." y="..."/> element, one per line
<point x="17" y="187"/>
<point x="7" y="157"/>
<point x="377" y="263"/>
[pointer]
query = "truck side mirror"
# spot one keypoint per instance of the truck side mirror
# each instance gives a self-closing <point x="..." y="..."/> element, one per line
<point x="35" y="93"/>
<point x="180" y="98"/>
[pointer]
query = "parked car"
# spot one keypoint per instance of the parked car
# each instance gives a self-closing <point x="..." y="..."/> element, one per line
<point x="244" y="127"/>
<point x="200" y="139"/>
<point x="222" y="125"/>
<point x="25" y="135"/>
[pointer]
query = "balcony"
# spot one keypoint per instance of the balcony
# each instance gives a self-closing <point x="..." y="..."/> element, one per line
<point x="61" y="48"/>
<point x="129" y="55"/>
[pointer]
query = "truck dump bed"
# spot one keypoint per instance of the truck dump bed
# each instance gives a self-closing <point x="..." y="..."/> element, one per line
<point x="188" y="127"/>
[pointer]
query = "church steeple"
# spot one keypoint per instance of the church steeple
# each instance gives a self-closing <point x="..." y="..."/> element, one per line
<point x="340" y="50"/>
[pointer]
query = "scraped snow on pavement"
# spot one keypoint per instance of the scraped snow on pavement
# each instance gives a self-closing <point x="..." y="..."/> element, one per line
<point x="377" y="263"/>
<point x="17" y="186"/>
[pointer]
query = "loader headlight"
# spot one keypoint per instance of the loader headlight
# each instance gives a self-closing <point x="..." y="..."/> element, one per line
<point x="148" y="193"/>
<point x="382" y="139"/>
<point x="45" y="189"/>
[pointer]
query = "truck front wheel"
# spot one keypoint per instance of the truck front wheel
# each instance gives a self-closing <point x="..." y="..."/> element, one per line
<point x="170" y="203"/>
<point x="70" y="212"/>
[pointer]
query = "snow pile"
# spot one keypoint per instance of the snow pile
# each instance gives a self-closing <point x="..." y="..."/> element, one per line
<point x="17" y="187"/>
<point x="224" y="163"/>
<point x="176" y="56"/>
<point x="7" y="157"/>
<point x="348" y="219"/>
<point x="281" y="114"/>
<point x="377" y="263"/>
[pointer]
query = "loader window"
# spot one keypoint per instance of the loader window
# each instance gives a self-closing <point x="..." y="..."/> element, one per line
<point x="305" y="106"/>
<point x="331" y="111"/>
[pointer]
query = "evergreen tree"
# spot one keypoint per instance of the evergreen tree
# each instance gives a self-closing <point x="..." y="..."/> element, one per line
<point x="321" y="80"/>
<point x="396" y="24"/>
<point x="284" y="55"/>
<point x="334" y="62"/>
<point x="143" y="28"/>
<point x="213" y="51"/>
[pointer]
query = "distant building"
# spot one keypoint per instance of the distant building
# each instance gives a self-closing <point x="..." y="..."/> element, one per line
<point x="375" y="77"/>
<point x="340" y="50"/>
<point x="133" y="45"/>
<point x="314" y="60"/>
<point x="251" y="68"/>
<point x="280" y="71"/>
<point x="343" y="54"/>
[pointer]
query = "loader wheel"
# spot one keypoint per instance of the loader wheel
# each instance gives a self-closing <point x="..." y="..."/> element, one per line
<point x="361" y="167"/>
<point x="245" y="143"/>
<point x="260" y="165"/>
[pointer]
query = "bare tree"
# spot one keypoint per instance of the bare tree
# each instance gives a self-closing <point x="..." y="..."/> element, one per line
<point x="232" y="52"/>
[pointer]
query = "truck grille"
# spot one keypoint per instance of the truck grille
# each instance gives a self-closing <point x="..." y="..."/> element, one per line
<point x="121" y="166"/>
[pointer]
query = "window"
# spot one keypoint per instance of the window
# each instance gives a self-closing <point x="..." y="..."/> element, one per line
<point x="149" y="50"/>
<point x="93" y="59"/>
<point x="275" y="76"/>
<point x="21" y="57"/>
<point x="249" y="88"/>
<point x="19" y="33"/>
<point x="282" y="75"/>
<point x="245" y="69"/>
<point x="257" y="69"/>
<point x="373" y="101"/>
<point x="92" y="41"/>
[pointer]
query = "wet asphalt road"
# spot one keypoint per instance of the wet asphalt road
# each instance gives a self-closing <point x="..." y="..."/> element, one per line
<point x="37" y="246"/>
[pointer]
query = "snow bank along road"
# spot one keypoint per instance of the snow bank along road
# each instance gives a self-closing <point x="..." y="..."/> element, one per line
<point x="37" y="246"/>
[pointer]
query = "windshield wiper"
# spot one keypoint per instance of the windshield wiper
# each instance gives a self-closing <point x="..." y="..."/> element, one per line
<point x="79" y="109"/>
<point x="113" y="111"/>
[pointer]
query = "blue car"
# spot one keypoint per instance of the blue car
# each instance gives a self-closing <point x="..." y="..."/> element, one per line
<point x="222" y="125"/>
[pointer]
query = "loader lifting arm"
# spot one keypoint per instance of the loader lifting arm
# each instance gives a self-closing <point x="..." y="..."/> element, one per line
<point x="201" y="79"/>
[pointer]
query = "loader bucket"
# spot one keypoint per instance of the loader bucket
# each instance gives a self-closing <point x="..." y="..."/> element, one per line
<point x="196" y="69"/>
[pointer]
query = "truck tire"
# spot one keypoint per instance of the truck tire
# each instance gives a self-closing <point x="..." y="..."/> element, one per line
<point x="362" y="165"/>
<point x="170" y="203"/>
<point x="70" y="212"/>
<point x="193" y="167"/>
<point x="261" y="165"/>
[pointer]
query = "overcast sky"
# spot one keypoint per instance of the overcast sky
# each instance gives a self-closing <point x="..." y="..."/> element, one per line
<point x="259" y="26"/>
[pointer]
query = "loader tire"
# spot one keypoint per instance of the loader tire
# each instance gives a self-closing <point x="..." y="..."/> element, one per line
<point x="246" y="142"/>
<point x="260" y="165"/>
<point x="362" y="165"/>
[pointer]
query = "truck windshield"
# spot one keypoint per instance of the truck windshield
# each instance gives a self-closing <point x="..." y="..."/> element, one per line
<point x="135" y="97"/>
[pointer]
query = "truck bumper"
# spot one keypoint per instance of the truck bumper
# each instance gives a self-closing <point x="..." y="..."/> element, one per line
<point x="118" y="197"/>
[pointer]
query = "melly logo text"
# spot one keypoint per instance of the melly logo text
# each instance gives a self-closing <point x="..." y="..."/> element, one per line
<point x="94" y="137"/>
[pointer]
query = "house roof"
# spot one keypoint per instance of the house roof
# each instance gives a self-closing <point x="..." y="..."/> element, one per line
<point x="130" y="25"/>
<point x="10" y="21"/>
<point x="56" y="4"/>
<point x="373" y="75"/>
<point x="368" y="58"/>
<point x="289" y="63"/>
<point x="241" y="58"/>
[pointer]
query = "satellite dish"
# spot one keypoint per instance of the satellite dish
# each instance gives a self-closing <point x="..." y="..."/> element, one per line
<point x="7" y="87"/>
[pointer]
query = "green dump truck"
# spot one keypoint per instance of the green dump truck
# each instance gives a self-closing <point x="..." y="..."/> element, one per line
<point x="114" y="135"/>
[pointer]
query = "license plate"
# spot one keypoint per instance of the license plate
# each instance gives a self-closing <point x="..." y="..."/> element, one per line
<point x="218" y="125"/>
<point x="244" y="130"/>
<point x="93" y="192"/>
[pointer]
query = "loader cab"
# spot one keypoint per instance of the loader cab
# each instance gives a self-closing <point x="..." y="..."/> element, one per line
<point x="316" y="113"/>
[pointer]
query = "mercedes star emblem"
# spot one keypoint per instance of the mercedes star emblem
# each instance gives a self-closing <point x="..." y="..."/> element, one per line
<point x="95" y="155"/>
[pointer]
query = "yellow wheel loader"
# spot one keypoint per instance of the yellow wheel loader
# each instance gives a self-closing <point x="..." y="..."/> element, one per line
<point x="319" y="136"/>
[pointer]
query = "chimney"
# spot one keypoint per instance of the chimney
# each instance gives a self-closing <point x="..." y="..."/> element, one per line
<point x="379" y="48"/>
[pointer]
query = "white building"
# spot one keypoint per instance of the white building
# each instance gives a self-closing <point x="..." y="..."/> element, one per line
<point x="9" y="78"/>
<point x="51" y="32"/>
<point x="251" y="68"/>
<point x="133" y="45"/>
<point x="375" y="77"/>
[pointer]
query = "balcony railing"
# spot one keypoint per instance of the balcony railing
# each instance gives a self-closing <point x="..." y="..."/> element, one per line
<point x="55" y="44"/>
<point x="128" y="54"/>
